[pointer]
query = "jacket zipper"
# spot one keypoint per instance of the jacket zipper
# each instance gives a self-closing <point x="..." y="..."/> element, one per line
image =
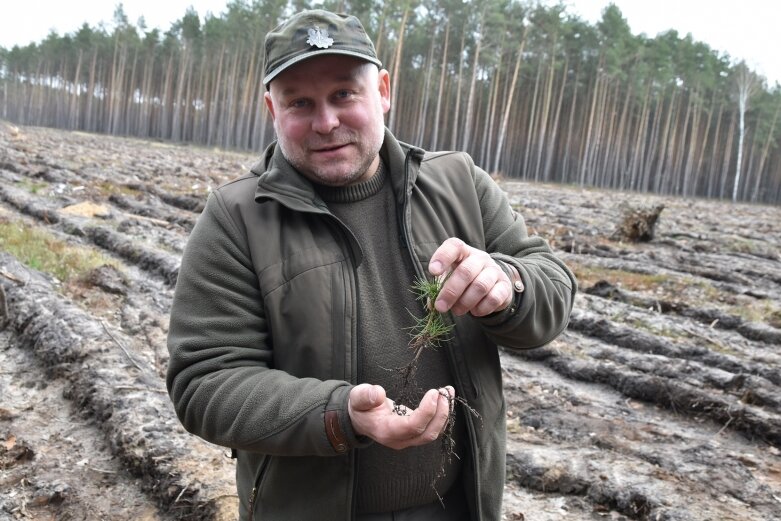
<point x="256" y="487"/>
<point x="343" y="232"/>
<point x="406" y="242"/>
<point x="401" y="215"/>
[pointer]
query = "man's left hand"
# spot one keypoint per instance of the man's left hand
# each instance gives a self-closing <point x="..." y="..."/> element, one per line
<point x="477" y="284"/>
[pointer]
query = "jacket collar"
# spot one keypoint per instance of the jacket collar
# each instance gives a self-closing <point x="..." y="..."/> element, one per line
<point x="279" y="181"/>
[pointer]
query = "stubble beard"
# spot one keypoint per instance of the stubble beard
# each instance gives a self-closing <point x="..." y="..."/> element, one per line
<point x="336" y="174"/>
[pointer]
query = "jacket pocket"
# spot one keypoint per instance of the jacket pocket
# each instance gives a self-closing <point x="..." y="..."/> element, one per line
<point x="308" y="322"/>
<point x="256" y="485"/>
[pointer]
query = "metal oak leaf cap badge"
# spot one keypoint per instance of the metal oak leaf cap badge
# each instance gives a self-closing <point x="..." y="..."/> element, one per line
<point x="319" y="38"/>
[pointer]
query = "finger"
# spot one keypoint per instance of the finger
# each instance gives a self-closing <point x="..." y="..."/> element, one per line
<point x="497" y="297"/>
<point x="449" y="252"/>
<point x="409" y="434"/>
<point x="462" y="276"/>
<point x="480" y="289"/>
<point x="365" y="397"/>
<point x="437" y="424"/>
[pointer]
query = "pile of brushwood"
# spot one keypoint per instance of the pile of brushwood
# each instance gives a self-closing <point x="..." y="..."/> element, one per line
<point x="661" y="400"/>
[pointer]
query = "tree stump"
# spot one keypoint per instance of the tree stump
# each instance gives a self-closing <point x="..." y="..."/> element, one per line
<point x="637" y="224"/>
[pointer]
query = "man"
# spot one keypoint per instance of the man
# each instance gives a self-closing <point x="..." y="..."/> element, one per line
<point x="292" y="306"/>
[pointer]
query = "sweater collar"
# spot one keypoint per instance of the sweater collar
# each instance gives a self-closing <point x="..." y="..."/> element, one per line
<point x="354" y="192"/>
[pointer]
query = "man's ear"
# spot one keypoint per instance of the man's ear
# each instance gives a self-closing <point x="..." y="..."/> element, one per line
<point x="269" y="104"/>
<point x="384" y="88"/>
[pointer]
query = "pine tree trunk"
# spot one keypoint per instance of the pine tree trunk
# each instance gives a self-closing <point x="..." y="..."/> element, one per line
<point x="547" y="97"/>
<point x="457" y="108"/>
<point x="712" y="172"/>
<point x="727" y="155"/>
<point x="554" y="134"/>
<point x="508" y="106"/>
<point x="763" y="157"/>
<point x="435" y="130"/>
<point x="396" y="67"/>
<point x="466" y="143"/>
<point x="421" y="119"/>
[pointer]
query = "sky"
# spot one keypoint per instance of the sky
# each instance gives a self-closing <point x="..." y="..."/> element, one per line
<point x="744" y="29"/>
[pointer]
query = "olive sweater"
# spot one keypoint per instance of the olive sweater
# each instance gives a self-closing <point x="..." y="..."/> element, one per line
<point x="388" y="479"/>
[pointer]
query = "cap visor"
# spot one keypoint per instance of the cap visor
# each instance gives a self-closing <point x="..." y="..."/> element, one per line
<point x="301" y="57"/>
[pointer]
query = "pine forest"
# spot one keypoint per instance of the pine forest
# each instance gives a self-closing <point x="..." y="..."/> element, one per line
<point x="532" y="92"/>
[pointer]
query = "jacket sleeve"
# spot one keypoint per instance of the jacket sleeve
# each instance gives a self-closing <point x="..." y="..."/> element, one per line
<point x="220" y="373"/>
<point x="549" y="285"/>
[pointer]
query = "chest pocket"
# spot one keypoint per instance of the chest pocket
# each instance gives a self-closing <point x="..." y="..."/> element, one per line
<point x="305" y="297"/>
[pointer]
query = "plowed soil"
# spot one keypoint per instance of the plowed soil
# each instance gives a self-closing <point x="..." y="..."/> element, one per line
<point x="661" y="401"/>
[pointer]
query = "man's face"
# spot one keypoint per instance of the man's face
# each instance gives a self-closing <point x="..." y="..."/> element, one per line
<point x="328" y="116"/>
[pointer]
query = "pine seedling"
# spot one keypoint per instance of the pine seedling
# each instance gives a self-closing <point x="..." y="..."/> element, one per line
<point x="429" y="332"/>
<point x="432" y="329"/>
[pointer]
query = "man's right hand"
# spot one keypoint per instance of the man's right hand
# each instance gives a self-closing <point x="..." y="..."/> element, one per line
<point x="372" y="415"/>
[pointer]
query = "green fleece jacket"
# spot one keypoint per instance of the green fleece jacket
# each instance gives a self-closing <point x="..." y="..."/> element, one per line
<point x="263" y="328"/>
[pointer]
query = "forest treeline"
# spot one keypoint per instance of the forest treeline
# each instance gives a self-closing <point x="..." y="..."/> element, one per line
<point x="531" y="91"/>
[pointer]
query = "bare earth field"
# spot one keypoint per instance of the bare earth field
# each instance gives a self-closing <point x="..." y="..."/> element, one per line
<point x="661" y="401"/>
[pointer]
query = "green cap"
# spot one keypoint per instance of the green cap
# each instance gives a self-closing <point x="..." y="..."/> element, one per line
<point x="313" y="33"/>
